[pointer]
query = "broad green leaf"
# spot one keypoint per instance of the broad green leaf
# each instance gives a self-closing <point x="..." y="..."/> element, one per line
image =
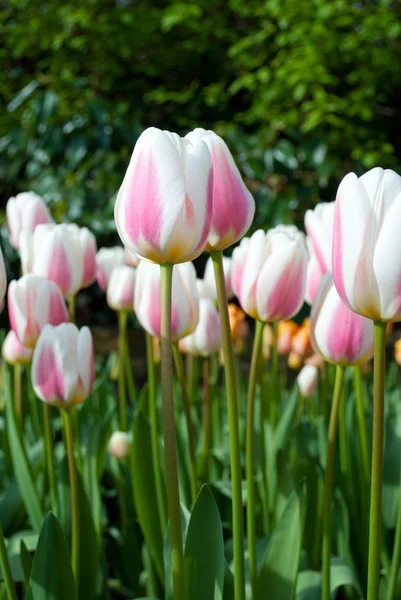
<point x="228" y="590"/>
<point x="278" y="568"/>
<point x="286" y="422"/>
<point x="168" y="585"/>
<point x="22" y="471"/>
<point x="144" y="490"/>
<point x="309" y="585"/>
<point x="17" y="571"/>
<point x="204" y="550"/>
<point x="51" y="576"/>
<point x="10" y="505"/>
<point x="26" y="562"/>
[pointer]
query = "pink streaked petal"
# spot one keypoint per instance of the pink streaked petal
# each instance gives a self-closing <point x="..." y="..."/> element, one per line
<point x="153" y="310"/>
<point x="47" y="375"/>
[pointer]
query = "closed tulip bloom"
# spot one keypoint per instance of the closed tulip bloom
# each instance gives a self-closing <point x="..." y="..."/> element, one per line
<point x="233" y="203"/>
<point x="286" y="333"/>
<point x="120" y="291"/>
<point x="206" y="290"/>
<point x="164" y="207"/>
<point x="307" y="380"/>
<point x="209" y="278"/>
<point x="33" y="302"/>
<point x="319" y="225"/>
<point x="367" y="244"/>
<point x="185" y="299"/>
<point x="3" y="278"/>
<point x="120" y="444"/>
<point x="24" y="212"/>
<point x="131" y="258"/>
<point x="314" y="276"/>
<point x="106" y="260"/>
<point x="87" y="242"/>
<point x="206" y="339"/>
<point x="337" y="333"/>
<point x="269" y="274"/>
<point x="63" y="365"/>
<point x="15" y="353"/>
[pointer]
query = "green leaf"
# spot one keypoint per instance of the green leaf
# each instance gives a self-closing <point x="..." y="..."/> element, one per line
<point x="310" y="582"/>
<point x="52" y="577"/>
<point x="286" y="422"/>
<point x="26" y="562"/>
<point x="204" y="550"/>
<point x="22" y="96"/>
<point x="19" y="459"/>
<point x="279" y="565"/>
<point x="17" y="571"/>
<point x="144" y="490"/>
<point x="229" y="590"/>
<point x="168" y="569"/>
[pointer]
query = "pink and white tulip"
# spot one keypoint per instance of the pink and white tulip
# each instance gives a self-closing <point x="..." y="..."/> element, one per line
<point x="209" y="279"/>
<point x="120" y="291"/>
<point x="337" y="333"/>
<point x="164" y="207"/>
<point x="106" y="260"/>
<point x="63" y="365"/>
<point x="269" y="273"/>
<point x="206" y="339"/>
<point x="367" y="244"/>
<point x="15" y="353"/>
<point x="33" y="302"/>
<point x="131" y="258"/>
<point x="314" y="275"/>
<point x="185" y="299"/>
<point x="319" y="225"/>
<point x="87" y="242"/>
<point x="24" y="212"/>
<point x="233" y="203"/>
<point x="120" y="444"/>
<point x="307" y="380"/>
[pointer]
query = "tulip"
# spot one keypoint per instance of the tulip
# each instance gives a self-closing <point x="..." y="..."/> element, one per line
<point x="106" y="260"/>
<point x="3" y="279"/>
<point x="119" y="444"/>
<point x="120" y="291"/>
<point x="366" y="269"/>
<point x="63" y="365"/>
<point x="185" y="299"/>
<point x="33" y="302"/>
<point x="206" y="339"/>
<point x="397" y="351"/>
<point x="87" y="242"/>
<point x="269" y="274"/>
<point x="131" y="258"/>
<point x="24" y="212"/>
<point x="164" y="207"/>
<point x="13" y="352"/>
<point x="314" y="274"/>
<point x="286" y="333"/>
<point x="206" y="290"/>
<point x="208" y="276"/>
<point x="338" y="334"/>
<point x="233" y="204"/>
<point x="319" y="227"/>
<point x="307" y="380"/>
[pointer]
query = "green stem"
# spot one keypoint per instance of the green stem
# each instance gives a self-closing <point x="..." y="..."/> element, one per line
<point x="206" y="420"/>
<point x="6" y="569"/>
<point x="50" y="455"/>
<point x="263" y="423"/>
<point x="344" y="467"/>
<point x="323" y="390"/>
<point x="360" y="413"/>
<point x="173" y="492"/>
<point x="328" y="481"/>
<point x="17" y="397"/>
<point x="275" y="404"/>
<point x="122" y="397"/>
<point x="179" y="368"/>
<point x="232" y="409"/>
<point x="377" y="462"/>
<point x="250" y="454"/>
<point x="69" y="440"/>
<point x="72" y="308"/>
<point x="395" y="561"/>
<point x="129" y="372"/>
<point x="154" y="431"/>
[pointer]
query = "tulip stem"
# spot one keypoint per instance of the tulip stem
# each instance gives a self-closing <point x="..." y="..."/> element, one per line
<point x="206" y="420"/>
<point x="69" y="440"/>
<point x="129" y="372"/>
<point x="72" y="307"/>
<point x="263" y="421"/>
<point x="250" y="454"/>
<point x="232" y="410"/>
<point x="395" y="561"/>
<point x="179" y="369"/>
<point x="360" y="413"/>
<point x="328" y="480"/>
<point x="154" y="431"/>
<point x="17" y="396"/>
<point x="275" y="405"/>
<point x="173" y="491"/>
<point x="6" y="569"/>
<point x="344" y="466"/>
<point x="377" y="462"/>
<point x="122" y="397"/>
<point x="50" y="455"/>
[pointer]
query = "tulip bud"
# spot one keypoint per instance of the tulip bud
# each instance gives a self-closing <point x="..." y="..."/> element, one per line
<point x="286" y="333"/>
<point x="120" y="291"/>
<point x="314" y="277"/>
<point x="301" y="344"/>
<point x="106" y="260"/>
<point x="338" y="334"/>
<point x="87" y="242"/>
<point x="233" y="204"/>
<point x="269" y="273"/>
<point x="185" y="300"/>
<point x="206" y="339"/>
<point x="319" y="227"/>
<point x="367" y="244"/>
<point x="3" y="278"/>
<point x="164" y="206"/>
<point x="209" y="279"/>
<point x="119" y="444"/>
<point x="307" y="380"/>
<point x="24" y="212"/>
<point x="131" y="258"/>
<point x="63" y="365"/>
<point x="15" y="353"/>
<point x="33" y="302"/>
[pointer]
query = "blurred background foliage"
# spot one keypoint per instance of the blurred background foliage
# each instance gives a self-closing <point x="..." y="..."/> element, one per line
<point x="303" y="92"/>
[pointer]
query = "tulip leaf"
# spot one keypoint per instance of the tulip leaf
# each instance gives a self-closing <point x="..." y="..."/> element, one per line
<point x="204" y="550"/>
<point x="283" y="429"/>
<point x="278" y="568"/>
<point x="310" y="582"/>
<point x="51" y="576"/>
<point x="144" y="490"/>
<point x="26" y="562"/>
<point x="20" y="462"/>
<point x="168" y="568"/>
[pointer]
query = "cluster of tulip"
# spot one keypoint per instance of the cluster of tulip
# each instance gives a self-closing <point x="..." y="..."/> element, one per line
<point x="180" y="197"/>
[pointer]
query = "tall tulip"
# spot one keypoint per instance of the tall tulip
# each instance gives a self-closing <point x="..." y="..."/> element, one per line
<point x="206" y="339"/>
<point x="120" y="290"/>
<point x="24" y="212"/>
<point x="319" y="227"/>
<point x="34" y="302"/>
<point x="106" y="260"/>
<point x="314" y="275"/>
<point x="87" y="242"/>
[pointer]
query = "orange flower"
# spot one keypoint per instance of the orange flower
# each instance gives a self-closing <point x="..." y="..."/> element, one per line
<point x="286" y="332"/>
<point x="238" y="325"/>
<point x="301" y="341"/>
<point x="397" y="351"/>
